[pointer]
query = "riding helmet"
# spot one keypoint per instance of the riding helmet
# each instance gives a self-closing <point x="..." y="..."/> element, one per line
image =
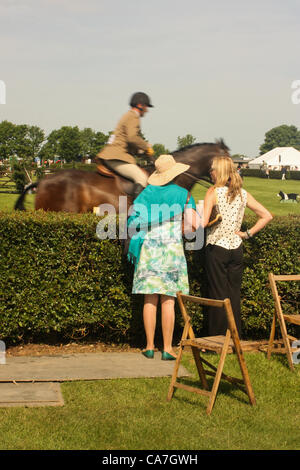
<point x="140" y="98"/>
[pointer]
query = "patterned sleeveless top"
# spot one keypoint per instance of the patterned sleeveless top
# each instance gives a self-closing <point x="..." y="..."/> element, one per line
<point x="232" y="213"/>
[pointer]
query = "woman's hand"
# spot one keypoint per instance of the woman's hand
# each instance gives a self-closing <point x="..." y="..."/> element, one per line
<point x="242" y="235"/>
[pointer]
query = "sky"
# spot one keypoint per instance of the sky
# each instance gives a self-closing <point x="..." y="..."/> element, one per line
<point x="217" y="69"/>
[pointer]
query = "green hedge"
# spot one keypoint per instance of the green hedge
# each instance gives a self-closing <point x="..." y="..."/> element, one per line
<point x="59" y="280"/>
<point x="57" y="277"/>
<point x="73" y="165"/>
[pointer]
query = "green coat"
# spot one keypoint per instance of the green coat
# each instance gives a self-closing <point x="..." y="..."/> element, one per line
<point x="126" y="140"/>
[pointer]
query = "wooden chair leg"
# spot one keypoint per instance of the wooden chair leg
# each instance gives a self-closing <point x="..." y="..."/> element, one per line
<point x="218" y="375"/>
<point x="272" y="336"/>
<point x="286" y="342"/>
<point x="175" y="373"/>
<point x="200" y="368"/>
<point x="239" y="352"/>
<point x="289" y="353"/>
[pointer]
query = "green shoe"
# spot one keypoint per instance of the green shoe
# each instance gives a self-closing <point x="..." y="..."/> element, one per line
<point x="167" y="357"/>
<point x="149" y="353"/>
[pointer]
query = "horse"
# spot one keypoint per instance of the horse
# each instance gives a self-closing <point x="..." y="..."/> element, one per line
<point x="80" y="191"/>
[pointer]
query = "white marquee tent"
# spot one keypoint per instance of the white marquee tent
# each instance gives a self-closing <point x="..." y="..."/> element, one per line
<point x="278" y="157"/>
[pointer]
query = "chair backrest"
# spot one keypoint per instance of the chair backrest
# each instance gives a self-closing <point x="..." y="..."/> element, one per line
<point x="273" y="279"/>
<point x="226" y="304"/>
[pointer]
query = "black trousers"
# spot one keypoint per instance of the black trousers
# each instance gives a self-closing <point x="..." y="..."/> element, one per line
<point x="224" y="269"/>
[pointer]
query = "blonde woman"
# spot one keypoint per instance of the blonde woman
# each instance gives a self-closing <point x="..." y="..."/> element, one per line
<point x="224" y="250"/>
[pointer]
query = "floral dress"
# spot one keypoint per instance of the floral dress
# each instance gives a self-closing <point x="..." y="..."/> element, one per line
<point x="162" y="267"/>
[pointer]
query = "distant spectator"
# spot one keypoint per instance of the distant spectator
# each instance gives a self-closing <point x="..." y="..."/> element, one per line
<point x="283" y="173"/>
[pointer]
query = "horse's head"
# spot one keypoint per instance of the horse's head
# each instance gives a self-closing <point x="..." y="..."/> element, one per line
<point x="199" y="157"/>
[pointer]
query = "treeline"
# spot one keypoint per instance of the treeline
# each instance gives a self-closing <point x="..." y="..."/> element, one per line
<point x="71" y="144"/>
<point x="68" y="143"/>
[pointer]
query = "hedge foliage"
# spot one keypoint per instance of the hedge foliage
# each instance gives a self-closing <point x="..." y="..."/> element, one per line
<point x="58" y="279"/>
<point x="273" y="174"/>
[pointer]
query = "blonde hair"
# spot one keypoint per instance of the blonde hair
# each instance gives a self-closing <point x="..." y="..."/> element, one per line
<point x="226" y="175"/>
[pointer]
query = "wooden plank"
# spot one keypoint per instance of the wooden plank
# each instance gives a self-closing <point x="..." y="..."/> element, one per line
<point x="203" y="301"/>
<point x="295" y="319"/>
<point x="286" y="277"/>
<point x="200" y="391"/>
<point x="216" y="344"/>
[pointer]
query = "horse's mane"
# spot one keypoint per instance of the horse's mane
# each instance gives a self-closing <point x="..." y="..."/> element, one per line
<point x="220" y="143"/>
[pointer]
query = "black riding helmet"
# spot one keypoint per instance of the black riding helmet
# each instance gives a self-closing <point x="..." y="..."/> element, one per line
<point x="140" y="98"/>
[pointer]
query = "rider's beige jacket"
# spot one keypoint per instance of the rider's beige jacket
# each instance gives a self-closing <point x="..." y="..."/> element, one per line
<point x="126" y="140"/>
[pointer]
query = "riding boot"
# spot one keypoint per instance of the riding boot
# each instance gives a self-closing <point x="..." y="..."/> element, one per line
<point x="137" y="189"/>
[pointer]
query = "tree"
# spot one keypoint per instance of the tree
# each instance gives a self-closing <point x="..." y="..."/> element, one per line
<point x="7" y="142"/>
<point x="281" y="136"/>
<point x="69" y="143"/>
<point x="35" y="137"/>
<point x="64" y="143"/>
<point x="99" y="142"/>
<point x="19" y="176"/>
<point x="188" y="139"/>
<point x="21" y="140"/>
<point x="92" y="142"/>
<point x="22" y="147"/>
<point x="160" y="149"/>
<point x="51" y="147"/>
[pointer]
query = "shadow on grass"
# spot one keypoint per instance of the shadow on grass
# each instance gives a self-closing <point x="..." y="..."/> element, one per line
<point x="281" y="358"/>
<point x="225" y="388"/>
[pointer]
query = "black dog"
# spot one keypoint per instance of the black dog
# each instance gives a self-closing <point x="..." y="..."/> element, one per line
<point x="286" y="197"/>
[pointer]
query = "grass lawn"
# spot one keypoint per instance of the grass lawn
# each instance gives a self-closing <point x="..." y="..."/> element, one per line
<point x="133" y="414"/>
<point x="7" y="201"/>
<point x="265" y="191"/>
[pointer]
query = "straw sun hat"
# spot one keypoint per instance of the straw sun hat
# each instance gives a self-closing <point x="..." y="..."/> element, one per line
<point x="166" y="170"/>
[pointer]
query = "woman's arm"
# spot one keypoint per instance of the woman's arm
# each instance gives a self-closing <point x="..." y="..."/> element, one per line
<point x="264" y="217"/>
<point x="192" y="220"/>
<point x="209" y="202"/>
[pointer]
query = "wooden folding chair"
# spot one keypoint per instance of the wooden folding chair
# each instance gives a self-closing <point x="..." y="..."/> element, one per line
<point x="276" y="346"/>
<point x="219" y="344"/>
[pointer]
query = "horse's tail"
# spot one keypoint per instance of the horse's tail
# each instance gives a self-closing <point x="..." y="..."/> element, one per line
<point x="19" y="205"/>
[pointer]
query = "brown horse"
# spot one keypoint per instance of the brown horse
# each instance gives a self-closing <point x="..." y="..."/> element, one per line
<point x="80" y="191"/>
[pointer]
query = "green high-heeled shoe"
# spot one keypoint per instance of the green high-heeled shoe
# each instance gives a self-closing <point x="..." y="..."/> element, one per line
<point x="167" y="357"/>
<point x="149" y="353"/>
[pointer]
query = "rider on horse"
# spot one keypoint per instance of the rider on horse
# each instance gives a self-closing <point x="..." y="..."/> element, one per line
<point x="126" y="141"/>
